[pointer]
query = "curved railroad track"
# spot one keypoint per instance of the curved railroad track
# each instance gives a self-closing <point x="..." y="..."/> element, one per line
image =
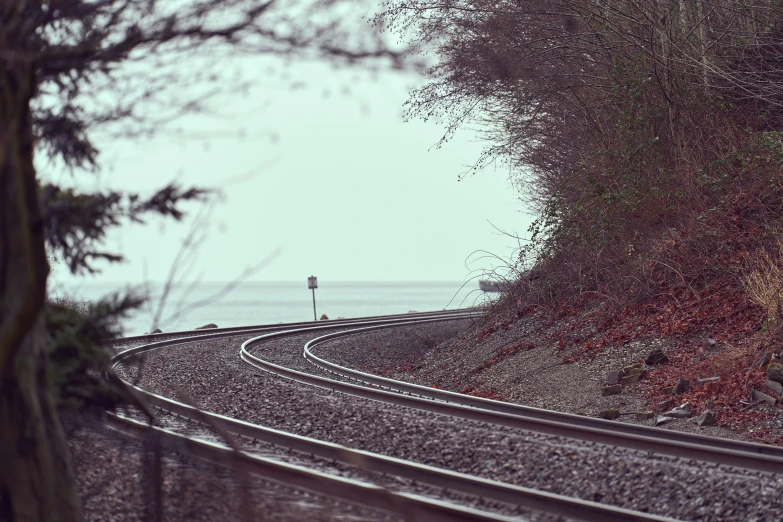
<point x="760" y="457"/>
<point x="413" y="503"/>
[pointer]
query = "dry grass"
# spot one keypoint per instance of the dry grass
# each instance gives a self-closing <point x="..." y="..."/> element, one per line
<point x="763" y="283"/>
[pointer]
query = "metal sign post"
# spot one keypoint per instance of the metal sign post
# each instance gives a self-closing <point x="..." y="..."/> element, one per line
<point x="312" y="284"/>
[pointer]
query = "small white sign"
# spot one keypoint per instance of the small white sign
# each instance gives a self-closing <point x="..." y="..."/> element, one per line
<point x="312" y="282"/>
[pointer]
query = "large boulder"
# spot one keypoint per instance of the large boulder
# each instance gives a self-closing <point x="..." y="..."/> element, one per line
<point x="681" y="386"/>
<point x="680" y="412"/>
<point x="774" y="387"/>
<point x="631" y="379"/>
<point x="763" y="397"/>
<point x="206" y="326"/>
<point x="656" y="357"/>
<point x="613" y="389"/>
<point x="632" y="375"/>
<point x="775" y="372"/>
<point x="609" y="414"/>
<point x="707" y="418"/>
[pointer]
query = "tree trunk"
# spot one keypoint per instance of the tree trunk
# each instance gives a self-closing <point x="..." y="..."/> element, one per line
<point x="36" y="478"/>
<point x="702" y="36"/>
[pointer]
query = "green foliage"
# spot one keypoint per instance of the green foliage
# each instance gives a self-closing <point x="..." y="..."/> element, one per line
<point x="76" y="223"/>
<point x="77" y="358"/>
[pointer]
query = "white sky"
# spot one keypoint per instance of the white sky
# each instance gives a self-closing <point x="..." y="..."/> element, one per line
<point x="344" y="188"/>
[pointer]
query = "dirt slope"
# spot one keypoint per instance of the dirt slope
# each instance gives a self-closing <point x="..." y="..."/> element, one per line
<point x="556" y="361"/>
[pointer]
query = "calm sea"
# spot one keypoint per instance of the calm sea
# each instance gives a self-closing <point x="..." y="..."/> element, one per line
<point x="250" y="303"/>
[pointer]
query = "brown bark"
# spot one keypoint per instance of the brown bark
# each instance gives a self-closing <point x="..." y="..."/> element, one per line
<point x="36" y="479"/>
<point x="702" y="35"/>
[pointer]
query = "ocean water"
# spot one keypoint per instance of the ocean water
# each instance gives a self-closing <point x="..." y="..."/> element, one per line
<point x="250" y="303"/>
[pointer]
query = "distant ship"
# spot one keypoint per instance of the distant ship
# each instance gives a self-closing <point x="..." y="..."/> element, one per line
<point x="493" y="286"/>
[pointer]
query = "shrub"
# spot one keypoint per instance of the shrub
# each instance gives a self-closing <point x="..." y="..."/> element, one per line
<point x="76" y="331"/>
<point x="763" y="283"/>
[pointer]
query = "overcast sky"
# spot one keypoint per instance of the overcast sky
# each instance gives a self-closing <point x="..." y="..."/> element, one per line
<point x="328" y="174"/>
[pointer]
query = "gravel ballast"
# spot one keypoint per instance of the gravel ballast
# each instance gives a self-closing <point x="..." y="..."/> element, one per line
<point x="534" y="375"/>
<point x="210" y="373"/>
<point x="112" y="471"/>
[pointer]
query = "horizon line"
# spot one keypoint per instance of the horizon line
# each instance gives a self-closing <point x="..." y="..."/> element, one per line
<point x="297" y="281"/>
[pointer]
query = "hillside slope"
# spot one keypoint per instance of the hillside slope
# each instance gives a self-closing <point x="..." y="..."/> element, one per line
<point x="562" y="360"/>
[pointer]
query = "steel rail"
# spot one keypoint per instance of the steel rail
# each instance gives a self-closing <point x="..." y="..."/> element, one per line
<point x="240" y="329"/>
<point x="410" y="505"/>
<point x="468" y="484"/>
<point x="276" y="328"/>
<point x="489" y="489"/>
<point x="526" y="411"/>
<point x="649" y="442"/>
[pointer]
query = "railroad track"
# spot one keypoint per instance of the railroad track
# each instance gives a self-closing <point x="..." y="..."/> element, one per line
<point x="219" y="332"/>
<point x="741" y="454"/>
<point x="412" y="506"/>
<point x="760" y="457"/>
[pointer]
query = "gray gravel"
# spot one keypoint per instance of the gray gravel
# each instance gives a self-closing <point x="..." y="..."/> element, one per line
<point x="535" y="374"/>
<point x="393" y="483"/>
<point x="111" y="471"/>
<point x="363" y="351"/>
<point x="376" y="348"/>
<point x="211" y="375"/>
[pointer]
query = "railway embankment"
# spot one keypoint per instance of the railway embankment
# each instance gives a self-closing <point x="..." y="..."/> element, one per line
<point x="712" y="373"/>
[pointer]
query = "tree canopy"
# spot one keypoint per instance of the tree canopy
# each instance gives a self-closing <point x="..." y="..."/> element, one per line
<point x="645" y="134"/>
<point x="71" y="69"/>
